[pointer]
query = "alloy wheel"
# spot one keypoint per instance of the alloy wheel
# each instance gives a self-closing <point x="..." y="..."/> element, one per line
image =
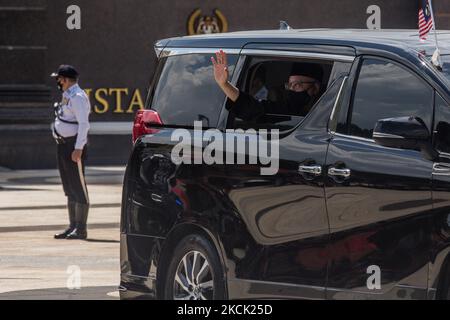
<point x="193" y="278"/>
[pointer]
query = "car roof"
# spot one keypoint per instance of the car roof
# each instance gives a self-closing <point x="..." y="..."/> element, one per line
<point x="403" y="39"/>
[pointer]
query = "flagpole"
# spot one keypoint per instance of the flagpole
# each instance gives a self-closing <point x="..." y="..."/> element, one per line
<point x="436" y="55"/>
<point x="434" y="23"/>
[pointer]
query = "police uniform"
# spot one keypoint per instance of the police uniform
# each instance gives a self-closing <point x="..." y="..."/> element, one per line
<point x="70" y="131"/>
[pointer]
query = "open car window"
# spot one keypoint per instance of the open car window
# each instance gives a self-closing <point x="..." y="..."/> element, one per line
<point x="266" y="80"/>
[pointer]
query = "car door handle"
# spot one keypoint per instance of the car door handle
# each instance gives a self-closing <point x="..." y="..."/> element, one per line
<point x="441" y="169"/>
<point x="315" y="170"/>
<point x="345" y="173"/>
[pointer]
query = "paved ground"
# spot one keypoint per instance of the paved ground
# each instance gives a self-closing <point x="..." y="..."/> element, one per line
<point x="35" y="266"/>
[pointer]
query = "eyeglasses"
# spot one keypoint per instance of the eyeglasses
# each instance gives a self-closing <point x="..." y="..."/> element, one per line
<point x="297" y="84"/>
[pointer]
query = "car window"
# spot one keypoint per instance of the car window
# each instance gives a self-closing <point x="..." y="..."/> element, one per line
<point x="386" y="90"/>
<point x="442" y="124"/>
<point x="186" y="91"/>
<point x="446" y="66"/>
<point x="268" y="79"/>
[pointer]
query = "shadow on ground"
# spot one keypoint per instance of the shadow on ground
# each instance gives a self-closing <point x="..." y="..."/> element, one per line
<point x="89" y="293"/>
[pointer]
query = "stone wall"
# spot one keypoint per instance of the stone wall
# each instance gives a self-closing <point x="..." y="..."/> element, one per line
<point x="113" y="51"/>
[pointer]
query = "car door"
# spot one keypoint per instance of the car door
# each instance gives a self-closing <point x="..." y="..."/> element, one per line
<point x="378" y="198"/>
<point x="440" y="232"/>
<point x="285" y="213"/>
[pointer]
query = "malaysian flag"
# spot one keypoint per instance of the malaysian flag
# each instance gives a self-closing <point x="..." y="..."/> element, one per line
<point x="425" y="19"/>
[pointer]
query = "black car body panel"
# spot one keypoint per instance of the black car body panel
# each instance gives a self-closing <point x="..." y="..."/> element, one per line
<point x="294" y="234"/>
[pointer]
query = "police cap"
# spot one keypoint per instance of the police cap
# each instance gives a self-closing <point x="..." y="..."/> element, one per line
<point x="66" y="71"/>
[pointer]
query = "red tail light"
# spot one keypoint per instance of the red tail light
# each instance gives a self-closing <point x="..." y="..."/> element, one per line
<point x="143" y="121"/>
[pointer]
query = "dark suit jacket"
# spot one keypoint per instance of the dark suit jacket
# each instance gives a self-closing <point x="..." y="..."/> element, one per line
<point x="248" y="108"/>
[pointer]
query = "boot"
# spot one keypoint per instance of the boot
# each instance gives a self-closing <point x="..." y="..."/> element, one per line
<point x="71" y="208"/>
<point x="81" y="214"/>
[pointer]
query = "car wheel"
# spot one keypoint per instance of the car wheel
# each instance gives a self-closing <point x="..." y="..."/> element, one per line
<point x="194" y="272"/>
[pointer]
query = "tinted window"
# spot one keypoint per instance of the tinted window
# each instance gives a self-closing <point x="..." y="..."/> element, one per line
<point x="386" y="90"/>
<point x="442" y="125"/>
<point x="446" y="66"/>
<point x="186" y="91"/>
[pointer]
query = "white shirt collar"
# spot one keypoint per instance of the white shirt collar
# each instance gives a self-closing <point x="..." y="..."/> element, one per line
<point x="70" y="92"/>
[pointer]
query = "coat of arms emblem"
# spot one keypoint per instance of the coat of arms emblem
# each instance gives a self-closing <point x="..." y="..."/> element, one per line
<point x="204" y="24"/>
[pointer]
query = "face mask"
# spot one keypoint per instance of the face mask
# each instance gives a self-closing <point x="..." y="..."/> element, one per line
<point x="59" y="86"/>
<point x="297" y="100"/>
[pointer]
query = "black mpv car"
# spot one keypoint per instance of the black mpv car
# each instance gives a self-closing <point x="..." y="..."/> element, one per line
<point x="359" y="207"/>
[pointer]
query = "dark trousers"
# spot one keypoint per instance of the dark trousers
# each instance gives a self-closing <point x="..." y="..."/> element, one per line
<point x="72" y="174"/>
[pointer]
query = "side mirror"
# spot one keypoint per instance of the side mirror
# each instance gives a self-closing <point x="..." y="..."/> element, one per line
<point x="409" y="133"/>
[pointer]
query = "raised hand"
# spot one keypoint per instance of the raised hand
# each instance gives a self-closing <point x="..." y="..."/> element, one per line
<point x="220" y="68"/>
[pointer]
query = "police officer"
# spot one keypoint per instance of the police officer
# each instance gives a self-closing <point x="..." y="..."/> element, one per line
<point x="70" y="130"/>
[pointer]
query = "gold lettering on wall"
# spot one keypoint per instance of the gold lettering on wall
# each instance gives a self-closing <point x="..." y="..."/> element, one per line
<point x="136" y="101"/>
<point x="118" y="92"/>
<point x="115" y="100"/>
<point x="88" y="92"/>
<point x="103" y="102"/>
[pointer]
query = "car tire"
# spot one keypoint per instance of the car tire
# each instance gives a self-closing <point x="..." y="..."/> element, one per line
<point x="194" y="271"/>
